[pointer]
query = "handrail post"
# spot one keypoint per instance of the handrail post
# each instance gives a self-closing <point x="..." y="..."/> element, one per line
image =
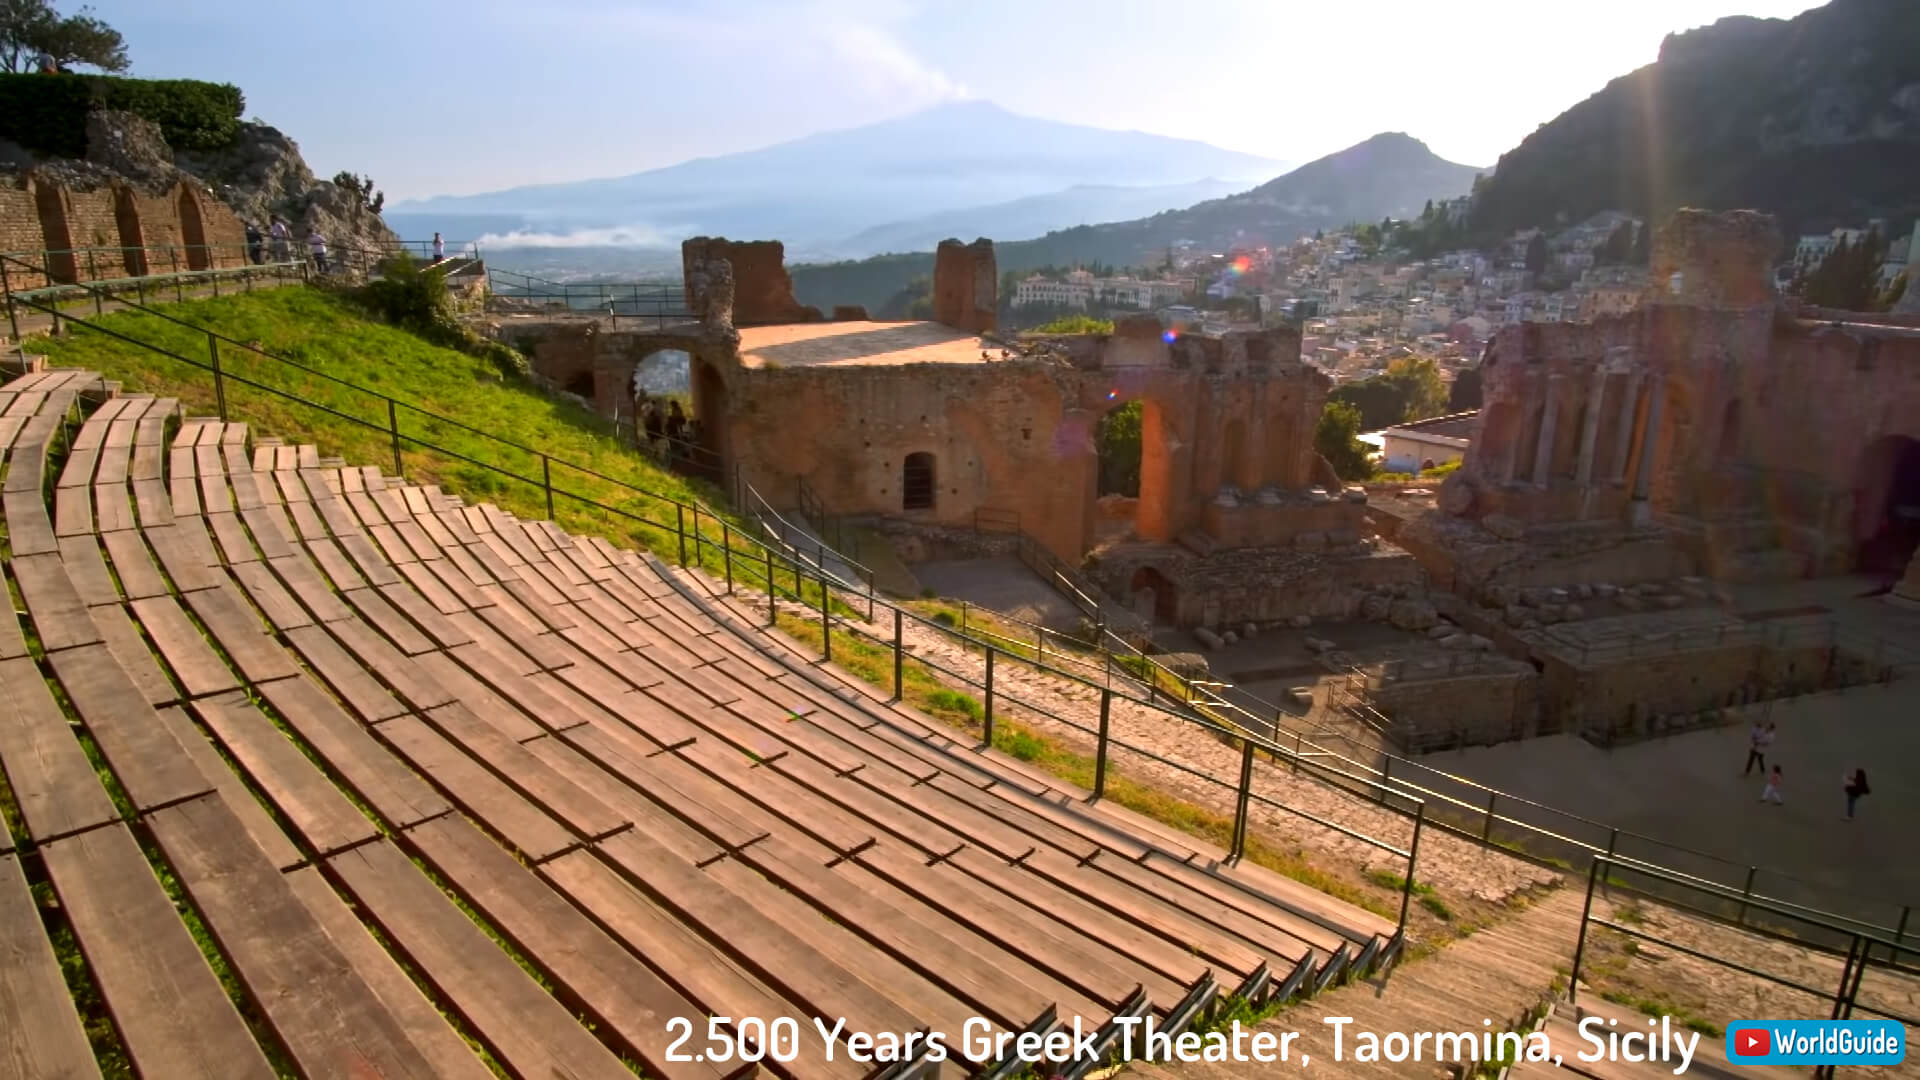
<point x="1746" y="893"/>
<point x="1241" y="799"/>
<point x="546" y="482"/>
<point x="1413" y="857"/>
<point x="393" y="428"/>
<point x="680" y="529"/>
<point x="1386" y="777"/>
<point x="826" y="624"/>
<point x="6" y="288"/>
<point x="93" y="276"/>
<point x="1900" y="932"/>
<point x="726" y="548"/>
<point x="1486" y="831"/>
<point x="987" y="725"/>
<point x="899" y="683"/>
<point x="1100" y="750"/>
<point x="773" y="612"/>
<point x="1580" y="946"/>
<point x="219" y="382"/>
<point x="1846" y="975"/>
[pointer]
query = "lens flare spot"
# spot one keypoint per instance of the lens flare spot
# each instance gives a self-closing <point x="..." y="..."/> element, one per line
<point x="1169" y="336"/>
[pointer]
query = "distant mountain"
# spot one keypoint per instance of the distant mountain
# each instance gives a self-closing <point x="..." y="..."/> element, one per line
<point x="1387" y="175"/>
<point x="1083" y="204"/>
<point x="1816" y="119"/>
<point x="816" y="191"/>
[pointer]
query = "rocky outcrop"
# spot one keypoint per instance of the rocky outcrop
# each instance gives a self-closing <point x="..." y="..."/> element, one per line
<point x="260" y="176"/>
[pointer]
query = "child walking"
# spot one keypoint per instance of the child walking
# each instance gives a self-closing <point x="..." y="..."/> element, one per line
<point x="1771" y="793"/>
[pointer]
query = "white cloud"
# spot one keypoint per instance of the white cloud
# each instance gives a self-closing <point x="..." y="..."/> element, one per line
<point x="615" y="236"/>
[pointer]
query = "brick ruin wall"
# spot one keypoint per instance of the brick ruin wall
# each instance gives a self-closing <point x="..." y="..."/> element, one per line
<point x="1751" y="427"/>
<point x="762" y="289"/>
<point x="1016" y="436"/>
<point x="129" y="231"/>
<point x="965" y="286"/>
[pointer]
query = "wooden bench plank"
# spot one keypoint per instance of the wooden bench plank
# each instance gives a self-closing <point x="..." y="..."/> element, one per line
<point x="326" y="1015"/>
<point x="530" y="829"/>
<point x="530" y="1032"/>
<point x="139" y="576"/>
<point x="625" y="800"/>
<point x="496" y="649"/>
<point x="270" y="596"/>
<point x="443" y="631"/>
<point x="239" y="799"/>
<point x="52" y="779"/>
<point x="690" y="795"/>
<point x="238" y="629"/>
<point x="199" y="669"/>
<point x="188" y="556"/>
<point x="821" y="982"/>
<point x="305" y="796"/>
<point x="29" y="529"/>
<point x="394" y="667"/>
<point x="1146" y="911"/>
<point x="335" y="565"/>
<point x="344" y="675"/>
<point x="87" y="570"/>
<point x="40" y="1034"/>
<point x="417" y="1017"/>
<point x="497" y="712"/>
<point x="13" y="640"/>
<point x="150" y="765"/>
<point x="351" y="753"/>
<point x="272" y="533"/>
<point x="628" y="998"/>
<point x="59" y="617"/>
<point x="299" y="575"/>
<point x="232" y="539"/>
<point x="426" y="580"/>
<point x="383" y="616"/>
<point x="586" y="816"/>
<point x="168" y="1008"/>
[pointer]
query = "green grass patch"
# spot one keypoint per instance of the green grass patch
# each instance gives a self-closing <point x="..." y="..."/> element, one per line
<point x="331" y="335"/>
<point x="1660" y="1005"/>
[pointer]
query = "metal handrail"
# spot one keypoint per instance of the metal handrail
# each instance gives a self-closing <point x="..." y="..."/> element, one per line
<point x="1317" y="761"/>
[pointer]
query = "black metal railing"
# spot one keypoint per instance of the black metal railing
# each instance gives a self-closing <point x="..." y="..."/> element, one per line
<point x="656" y="303"/>
<point x="1418" y="794"/>
<point x="743" y="557"/>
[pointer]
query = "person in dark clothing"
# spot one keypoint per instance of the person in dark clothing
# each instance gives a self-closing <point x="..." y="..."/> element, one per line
<point x="255" y="253"/>
<point x="676" y="422"/>
<point x="652" y="423"/>
<point x="1856" y="787"/>
<point x="1757" y="743"/>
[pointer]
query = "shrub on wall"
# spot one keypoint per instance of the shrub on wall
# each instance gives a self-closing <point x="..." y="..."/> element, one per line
<point x="48" y="113"/>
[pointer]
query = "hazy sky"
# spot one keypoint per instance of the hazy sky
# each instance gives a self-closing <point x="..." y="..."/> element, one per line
<point x="456" y="96"/>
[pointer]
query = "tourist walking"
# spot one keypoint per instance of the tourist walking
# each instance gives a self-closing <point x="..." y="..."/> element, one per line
<point x="1757" y="743"/>
<point x="1772" y="792"/>
<point x="1856" y="787"/>
<point x="318" y="245"/>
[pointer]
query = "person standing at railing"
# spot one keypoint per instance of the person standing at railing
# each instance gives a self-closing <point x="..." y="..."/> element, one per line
<point x="676" y="429"/>
<point x="254" y="253"/>
<point x="439" y="249"/>
<point x="318" y="245"/>
<point x="281" y="240"/>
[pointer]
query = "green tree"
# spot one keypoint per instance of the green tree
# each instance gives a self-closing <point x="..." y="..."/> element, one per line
<point x="1076" y="324"/>
<point x="1418" y="378"/>
<point x="1849" y="277"/>
<point x="30" y="29"/>
<point x="1117" y="441"/>
<point x="1896" y="289"/>
<point x="1337" y="440"/>
<point x="363" y="187"/>
<point x="1537" y="253"/>
<point x="1466" y="391"/>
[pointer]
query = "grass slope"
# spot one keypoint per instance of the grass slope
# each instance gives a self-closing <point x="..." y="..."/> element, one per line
<point x="329" y="334"/>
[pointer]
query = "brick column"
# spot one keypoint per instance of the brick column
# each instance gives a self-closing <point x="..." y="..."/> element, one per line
<point x="1549" y="418"/>
<point x="1623" y="443"/>
<point x="1590" y="430"/>
<point x="1643" y="475"/>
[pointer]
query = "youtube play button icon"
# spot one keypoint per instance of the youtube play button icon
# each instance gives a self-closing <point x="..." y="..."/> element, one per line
<point x="1752" y="1042"/>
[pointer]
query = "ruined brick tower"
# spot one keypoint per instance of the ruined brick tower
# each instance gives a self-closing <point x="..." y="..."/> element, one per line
<point x="966" y="286"/>
<point x="1709" y="260"/>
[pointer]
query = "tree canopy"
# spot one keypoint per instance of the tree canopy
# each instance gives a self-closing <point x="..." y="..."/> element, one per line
<point x="32" y="29"/>
<point x="1410" y="389"/>
<point x="1336" y="438"/>
<point x="1849" y="277"/>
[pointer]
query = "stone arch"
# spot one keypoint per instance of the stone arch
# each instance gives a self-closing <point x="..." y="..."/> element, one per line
<point x="133" y="240"/>
<point x="919" y="481"/>
<point x="193" y="231"/>
<point x="1887" y="504"/>
<point x="1153" y="595"/>
<point x="50" y="204"/>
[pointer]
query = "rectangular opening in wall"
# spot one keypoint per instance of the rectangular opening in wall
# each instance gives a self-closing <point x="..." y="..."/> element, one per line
<point x="916" y="482"/>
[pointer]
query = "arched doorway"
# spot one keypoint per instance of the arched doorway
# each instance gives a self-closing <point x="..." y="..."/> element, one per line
<point x="917" y="482"/>
<point x="1153" y="595"/>
<point x="1116" y="441"/>
<point x="582" y="386"/>
<point x="1887" y="505"/>
<point x="133" y="242"/>
<point x="192" y="232"/>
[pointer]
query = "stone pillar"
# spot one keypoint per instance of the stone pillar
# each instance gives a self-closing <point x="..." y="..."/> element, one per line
<point x="1549" y="418"/>
<point x="1623" y="443"/>
<point x="1590" y="430"/>
<point x="1512" y="471"/>
<point x="1643" y="475"/>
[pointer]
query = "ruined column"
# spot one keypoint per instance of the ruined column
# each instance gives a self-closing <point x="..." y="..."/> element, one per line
<point x="1643" y="476"/>
<point x="1512" y="471"/>
<point x="1623" y="444"/>
<point x="1549" y="417"/>
<point x="1590" y="430"/>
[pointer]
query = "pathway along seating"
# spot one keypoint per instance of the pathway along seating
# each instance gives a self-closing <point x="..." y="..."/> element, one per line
<point x="432" y="778"/>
